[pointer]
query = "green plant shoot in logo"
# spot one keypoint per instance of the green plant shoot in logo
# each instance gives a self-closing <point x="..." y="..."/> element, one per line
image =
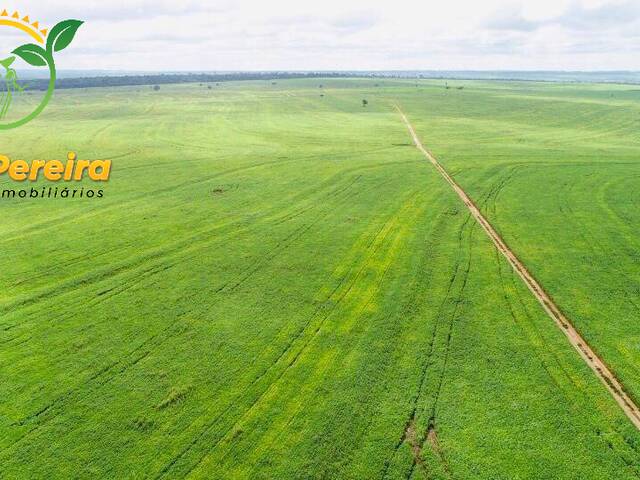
<point x="58" y="39"/>
<point x="11" y="85"/>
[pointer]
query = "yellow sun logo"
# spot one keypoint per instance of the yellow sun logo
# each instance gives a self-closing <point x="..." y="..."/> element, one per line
<point x="33" y="29"/>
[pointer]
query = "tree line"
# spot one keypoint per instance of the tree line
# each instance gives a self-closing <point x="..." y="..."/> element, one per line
<point x="167" y="78"/>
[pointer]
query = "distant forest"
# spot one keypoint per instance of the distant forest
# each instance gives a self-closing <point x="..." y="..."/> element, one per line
<point x="156" y="80"/>
<point x="163" y="79"/>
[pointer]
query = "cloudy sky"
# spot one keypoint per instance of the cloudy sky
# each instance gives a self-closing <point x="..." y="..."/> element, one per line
<point x="347" y="34"/>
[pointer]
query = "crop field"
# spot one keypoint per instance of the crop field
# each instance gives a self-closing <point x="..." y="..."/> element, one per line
<point x="278" y="285"/>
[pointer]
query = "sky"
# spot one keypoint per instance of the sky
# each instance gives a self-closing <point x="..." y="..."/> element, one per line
<point x="220" y="35"/>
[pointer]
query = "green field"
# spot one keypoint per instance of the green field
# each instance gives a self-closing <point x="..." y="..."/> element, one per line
<point x="278" y="285"/>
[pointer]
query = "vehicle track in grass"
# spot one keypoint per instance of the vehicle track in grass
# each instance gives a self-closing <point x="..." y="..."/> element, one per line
<point x="104" y="375"/>
<point x="208" y="439"/>
<point x="594" y="362"/>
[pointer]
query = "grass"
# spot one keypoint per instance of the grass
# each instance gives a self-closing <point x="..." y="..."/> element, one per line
<point x="277" y="285"/>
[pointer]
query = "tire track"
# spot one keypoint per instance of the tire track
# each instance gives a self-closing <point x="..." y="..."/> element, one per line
<point x="382" y="246"/>
<point x="104" y="375"/>
<point x="342" y="193"/>
<point x="179" y="248"/>
<point x="409" y="432"/>
<point x="597" y="365"/>
<point x="284" y="362"/>
<point x="429" y="435"/>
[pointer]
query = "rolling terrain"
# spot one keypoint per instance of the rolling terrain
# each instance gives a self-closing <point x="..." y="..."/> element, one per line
<point x="276" y="284"/>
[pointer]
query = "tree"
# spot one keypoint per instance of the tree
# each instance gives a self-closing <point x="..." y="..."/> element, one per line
<point x="365" y="103"/>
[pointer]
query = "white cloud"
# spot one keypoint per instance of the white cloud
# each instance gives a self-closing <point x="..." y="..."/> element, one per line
<point x="354" y="34"/>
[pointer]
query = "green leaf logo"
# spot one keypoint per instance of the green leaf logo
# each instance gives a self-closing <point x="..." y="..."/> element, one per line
<point x="58" y="39"/>
<point x="61" y="35"/>
<point x="33" y="54"/>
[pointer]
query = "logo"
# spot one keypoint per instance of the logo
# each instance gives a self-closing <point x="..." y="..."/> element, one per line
<point x="39" y="54"/>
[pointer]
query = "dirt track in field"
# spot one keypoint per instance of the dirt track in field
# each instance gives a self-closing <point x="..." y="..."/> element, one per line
<point x="588" y="355"/>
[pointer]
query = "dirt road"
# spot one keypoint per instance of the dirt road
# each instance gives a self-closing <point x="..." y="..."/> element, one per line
<point x="588" y="355"/>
